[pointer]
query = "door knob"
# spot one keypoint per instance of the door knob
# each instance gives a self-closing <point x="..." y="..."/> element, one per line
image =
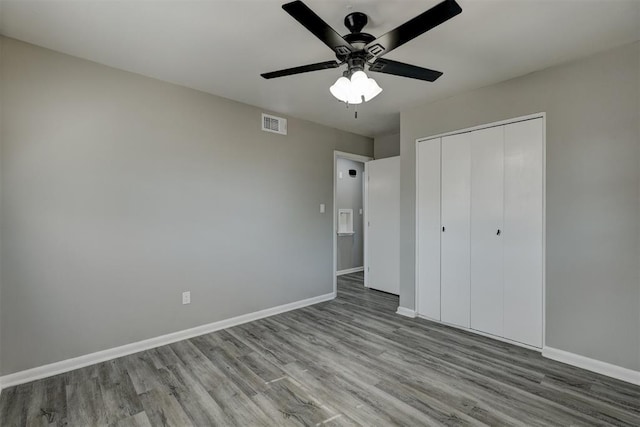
<point x="443" y="229"/>
<point x="498" y="233"/>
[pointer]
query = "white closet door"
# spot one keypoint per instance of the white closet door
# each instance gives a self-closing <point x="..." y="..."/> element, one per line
<point x="429" y="228"/>
<point x="383" y="217"/>
<point x="522" y="237"/>
<point x="456" y="181"/>
<point x="487" y="177"/>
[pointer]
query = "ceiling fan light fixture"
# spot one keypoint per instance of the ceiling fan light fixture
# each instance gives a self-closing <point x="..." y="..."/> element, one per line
<point x="356" y="90"/>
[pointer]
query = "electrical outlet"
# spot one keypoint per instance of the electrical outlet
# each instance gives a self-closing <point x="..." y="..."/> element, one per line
<point x="186" y="297"/>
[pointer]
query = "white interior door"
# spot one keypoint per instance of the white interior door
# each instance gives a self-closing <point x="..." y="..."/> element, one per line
<point x="523" y="231"/>
<point x="487" y="177"/>
<point x="383" y="217"/>
<point x="429" y="228"/>
<point x="455" y="232"/>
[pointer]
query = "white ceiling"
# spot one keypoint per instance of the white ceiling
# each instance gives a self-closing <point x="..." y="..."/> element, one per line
<point x="222" y="46"/>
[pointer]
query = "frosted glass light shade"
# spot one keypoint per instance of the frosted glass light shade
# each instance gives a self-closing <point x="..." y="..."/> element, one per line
<point x="359" y="82"/>
<point x="372" y="90"/>
<point x="354" y="96"/>
<point x="341" y="89"/>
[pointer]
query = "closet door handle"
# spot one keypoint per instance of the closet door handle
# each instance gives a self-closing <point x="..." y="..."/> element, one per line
<point x="443" y="229"/>
<point x="498" y="233"/>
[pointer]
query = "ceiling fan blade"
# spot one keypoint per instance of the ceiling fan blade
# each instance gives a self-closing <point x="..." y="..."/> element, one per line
<point x="312" y="22"/>
<point x="388" y="66"/>
<point x="302" y="69"/>
<point x="413" y="28"/>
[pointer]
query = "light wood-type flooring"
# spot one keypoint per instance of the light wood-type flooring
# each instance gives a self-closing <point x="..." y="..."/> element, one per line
<point x="350" y="361"/>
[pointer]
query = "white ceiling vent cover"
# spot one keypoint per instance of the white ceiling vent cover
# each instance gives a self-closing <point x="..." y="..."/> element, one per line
<point x="274" y="124"/>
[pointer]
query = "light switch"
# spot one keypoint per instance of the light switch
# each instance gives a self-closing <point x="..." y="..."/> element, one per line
<point x="360" y="211"/>
<point x="321" y="207"/>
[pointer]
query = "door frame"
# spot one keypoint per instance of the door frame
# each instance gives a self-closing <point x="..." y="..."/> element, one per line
<point x="543" y="116"/>
<point x="357" y="158"/>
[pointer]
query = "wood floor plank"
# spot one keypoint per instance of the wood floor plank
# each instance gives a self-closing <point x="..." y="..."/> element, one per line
<point x="162" y="409"/>
<point x="120" y="398"/>
<point x="224" y="397"/>
<point x="262" y="367"/>
<point x="238" y="372"/>
<point x="142" y="371"/>
<point x="347" y="362"/>
<point x="85" y="404"/>
<point x="323" y="385"/>
<point x="275" y="416"/>
<point x="13" y="405"/>
<point x="138" y="420"/>
<point x="194" y="399"/>
<point x="296" y="404"/>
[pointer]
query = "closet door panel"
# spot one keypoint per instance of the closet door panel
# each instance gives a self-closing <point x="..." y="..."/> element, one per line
<point x="523" y="228"/>
<point x="487" y="177"/>
<point x="455" y="245"/>
<point x="429" y="228"/>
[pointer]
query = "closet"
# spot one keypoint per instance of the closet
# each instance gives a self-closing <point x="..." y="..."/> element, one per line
<point x="480" y="199"/>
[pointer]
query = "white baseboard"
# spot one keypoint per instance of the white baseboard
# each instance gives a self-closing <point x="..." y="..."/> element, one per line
<point x="406" y="312"/>
<point x="604" y="368"/>
<point x="349" y="271"/>
<point x="484" y="334"/>
<point x="113" y="353"/>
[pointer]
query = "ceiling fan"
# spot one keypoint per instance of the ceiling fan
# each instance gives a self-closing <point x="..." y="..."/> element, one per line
<point x="358" y="49"/>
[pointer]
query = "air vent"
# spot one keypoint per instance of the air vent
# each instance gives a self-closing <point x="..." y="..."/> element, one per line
<point x="274" y="124"/>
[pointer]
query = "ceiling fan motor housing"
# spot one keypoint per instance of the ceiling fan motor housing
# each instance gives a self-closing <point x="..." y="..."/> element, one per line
<point x="356" y="62"/>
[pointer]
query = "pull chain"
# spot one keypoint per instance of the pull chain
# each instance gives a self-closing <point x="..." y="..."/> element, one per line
<point x="355" y="108"/>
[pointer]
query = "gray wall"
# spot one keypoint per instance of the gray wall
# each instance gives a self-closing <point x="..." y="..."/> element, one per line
<point x="593" y="190"/>
<point x="122" y="191"/>
<point x="349" y="192"/>
<point x="386" y="146"/>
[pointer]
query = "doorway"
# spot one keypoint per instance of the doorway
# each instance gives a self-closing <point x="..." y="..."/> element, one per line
<point x="348" y="214"/>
